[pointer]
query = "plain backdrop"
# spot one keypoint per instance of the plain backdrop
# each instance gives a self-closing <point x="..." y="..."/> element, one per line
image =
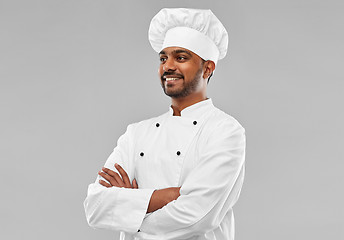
<point x="75" y="73"/>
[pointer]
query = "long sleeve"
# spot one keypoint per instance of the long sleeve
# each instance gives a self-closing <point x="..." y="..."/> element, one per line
<point x="208" y="193"/>
<point x="119" y="209"/>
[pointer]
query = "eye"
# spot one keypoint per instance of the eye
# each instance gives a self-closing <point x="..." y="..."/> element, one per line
<point x="163" y="59"/>
<point x="181" y="58"/>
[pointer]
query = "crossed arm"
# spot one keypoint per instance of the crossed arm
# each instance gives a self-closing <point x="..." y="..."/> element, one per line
<point x="201" y="202"/>
<point x="159" y="197"/>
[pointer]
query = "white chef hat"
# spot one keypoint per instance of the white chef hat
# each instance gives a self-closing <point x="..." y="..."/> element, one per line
<point x="197" y="30"/>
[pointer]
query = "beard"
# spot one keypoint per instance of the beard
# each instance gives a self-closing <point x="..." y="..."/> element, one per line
<point x="187" y="87"/>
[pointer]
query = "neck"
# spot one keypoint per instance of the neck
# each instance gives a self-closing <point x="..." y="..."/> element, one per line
<point x="178" y="104"/>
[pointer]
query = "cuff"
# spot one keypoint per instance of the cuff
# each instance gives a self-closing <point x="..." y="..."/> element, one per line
<point x="131" y="207"/>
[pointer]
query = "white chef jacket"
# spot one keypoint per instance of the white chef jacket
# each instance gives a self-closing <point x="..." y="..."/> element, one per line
<point x="202" y="151"/>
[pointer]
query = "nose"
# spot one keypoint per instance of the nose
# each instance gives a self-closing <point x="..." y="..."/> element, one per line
<point x="169" y="65"/>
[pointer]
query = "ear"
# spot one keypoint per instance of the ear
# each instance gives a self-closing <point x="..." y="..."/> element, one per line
<point x="209" y="67"/>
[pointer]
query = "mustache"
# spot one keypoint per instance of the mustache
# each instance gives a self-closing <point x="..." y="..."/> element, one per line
<point x="171" y="73"/>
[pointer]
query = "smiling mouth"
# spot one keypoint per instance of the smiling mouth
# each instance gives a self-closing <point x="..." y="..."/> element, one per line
<point x="169" y="79"/>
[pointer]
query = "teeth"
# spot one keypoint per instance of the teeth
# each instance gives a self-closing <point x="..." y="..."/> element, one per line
<point x="171" y="79"/>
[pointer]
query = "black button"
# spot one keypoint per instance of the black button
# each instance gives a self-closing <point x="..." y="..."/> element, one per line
<point x="141" y="154"/>
<point x="157" y="124"/>
<point x="194" y="122"/>
<point x="178" y="153"/>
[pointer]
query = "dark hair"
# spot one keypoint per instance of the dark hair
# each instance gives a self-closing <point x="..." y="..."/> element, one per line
<point x="210" y="77"/>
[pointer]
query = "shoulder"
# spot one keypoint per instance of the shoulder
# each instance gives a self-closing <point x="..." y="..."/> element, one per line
<point x="224" y="130"/>
<point x="221" y="121"/>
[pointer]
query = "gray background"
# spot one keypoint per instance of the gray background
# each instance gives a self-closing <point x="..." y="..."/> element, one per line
<point x="75" y="73"/>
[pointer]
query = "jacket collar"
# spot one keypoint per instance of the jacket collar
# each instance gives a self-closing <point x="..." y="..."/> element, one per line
<point x="195" y="110"/>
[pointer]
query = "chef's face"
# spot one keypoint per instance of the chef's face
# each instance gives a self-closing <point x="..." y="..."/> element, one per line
<point x="181" y="72"/>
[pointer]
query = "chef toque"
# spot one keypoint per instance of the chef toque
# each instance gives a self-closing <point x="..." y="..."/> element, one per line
<point x="197" y="30"/>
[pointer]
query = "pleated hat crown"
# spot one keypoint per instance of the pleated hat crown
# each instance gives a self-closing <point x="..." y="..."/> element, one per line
<point x="197" y="30"/>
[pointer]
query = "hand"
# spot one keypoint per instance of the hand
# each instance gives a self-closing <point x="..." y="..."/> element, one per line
<point x="162" y="197"/>
<point x="115" y="180"/>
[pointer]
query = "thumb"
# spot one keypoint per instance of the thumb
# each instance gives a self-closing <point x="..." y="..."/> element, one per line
<point x="135" y="184"/>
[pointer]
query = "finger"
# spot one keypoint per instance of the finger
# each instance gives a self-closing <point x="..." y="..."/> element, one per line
<point x="123" y="174"/>
<point x="135" y="184"/>
<point x="109" y="178"/>
<point x="115" y="175"/>
<point x="105" y="184"/>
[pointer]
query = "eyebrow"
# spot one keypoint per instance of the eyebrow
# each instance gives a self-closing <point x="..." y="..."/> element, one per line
<point x="177" y="51"/>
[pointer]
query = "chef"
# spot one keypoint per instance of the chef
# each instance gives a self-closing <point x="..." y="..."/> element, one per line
<point x="178" y="175"/>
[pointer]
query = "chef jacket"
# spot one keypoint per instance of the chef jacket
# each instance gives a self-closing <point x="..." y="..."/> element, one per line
<point x="202" y="151"/>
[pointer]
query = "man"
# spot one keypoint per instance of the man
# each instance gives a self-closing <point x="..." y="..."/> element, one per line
<point x="178" y="175"/>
